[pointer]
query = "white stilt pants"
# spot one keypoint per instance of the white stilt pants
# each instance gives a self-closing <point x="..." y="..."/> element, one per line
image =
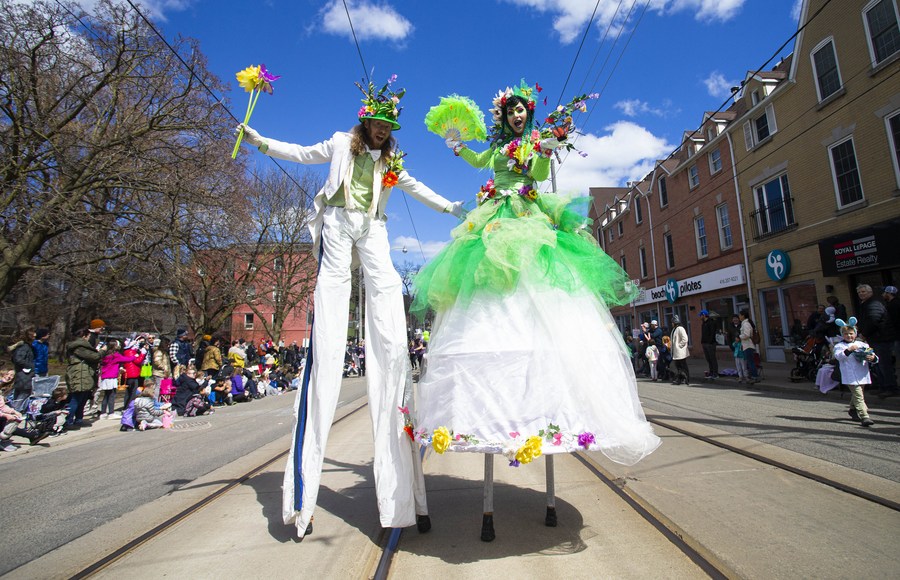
<point x="399" y="482"/>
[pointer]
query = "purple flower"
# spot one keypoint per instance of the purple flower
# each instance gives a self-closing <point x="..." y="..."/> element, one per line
<point x="392" y="79"/>
<point x="514" y="463"/>
<point x="267" y="79"/>
<point x="585" y="439"/>
<point x="582" y="153"/>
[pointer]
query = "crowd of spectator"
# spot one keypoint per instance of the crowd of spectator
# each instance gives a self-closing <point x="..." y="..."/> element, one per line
<point x="158" y="378"/>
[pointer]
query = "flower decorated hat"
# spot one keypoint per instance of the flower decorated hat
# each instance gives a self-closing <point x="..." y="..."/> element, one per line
<point x="381" y="104"/>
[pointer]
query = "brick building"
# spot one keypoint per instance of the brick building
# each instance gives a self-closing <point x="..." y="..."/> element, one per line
<point x="783" y="199"/>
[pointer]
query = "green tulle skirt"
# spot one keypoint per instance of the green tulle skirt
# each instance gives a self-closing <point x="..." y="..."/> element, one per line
<point x="511" y="239"/>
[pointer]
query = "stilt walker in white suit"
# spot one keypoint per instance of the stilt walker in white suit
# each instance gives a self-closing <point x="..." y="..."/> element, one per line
<point x="349" y="227"/>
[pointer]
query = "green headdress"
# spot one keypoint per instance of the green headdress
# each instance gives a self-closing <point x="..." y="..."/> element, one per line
<point x="381" y="105"/>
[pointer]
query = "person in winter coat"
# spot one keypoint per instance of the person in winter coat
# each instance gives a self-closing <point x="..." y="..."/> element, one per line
<point x="708" y="330"/>
<point x="22" y="355"/>
<point x="136" y="350"/>
<point x="239" y="394"/>
<point x="81" y="375"/>
<point x="746" y="337"/>
<point x="186" y="387"/>
<point x="162" y="365"/>
<point x="876" y="328"/>
<point x="680" y="353"/>
<point x="41" y="351"/>
<point x="212" y="358"/>
<point x="109" y="378"/>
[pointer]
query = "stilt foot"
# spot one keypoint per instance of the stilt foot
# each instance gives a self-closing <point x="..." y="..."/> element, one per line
<point x="550" y="519"/>
<point x="487" y="528"/>
<point x="423" y="523"/>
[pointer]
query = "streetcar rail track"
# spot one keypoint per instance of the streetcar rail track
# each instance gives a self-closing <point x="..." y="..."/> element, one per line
<point x="389" y="540"/>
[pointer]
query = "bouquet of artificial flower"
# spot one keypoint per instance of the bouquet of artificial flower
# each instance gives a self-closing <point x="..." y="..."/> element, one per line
<point x="254" y="80"/>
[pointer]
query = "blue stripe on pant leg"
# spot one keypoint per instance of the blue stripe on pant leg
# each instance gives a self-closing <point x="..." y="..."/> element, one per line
<point x="302" y="413"/>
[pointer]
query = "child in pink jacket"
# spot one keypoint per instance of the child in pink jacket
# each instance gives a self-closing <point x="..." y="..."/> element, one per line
<point x="109" y="378"/>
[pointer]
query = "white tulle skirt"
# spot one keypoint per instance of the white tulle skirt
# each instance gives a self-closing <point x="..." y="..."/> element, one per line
<point x="547" y="364"/>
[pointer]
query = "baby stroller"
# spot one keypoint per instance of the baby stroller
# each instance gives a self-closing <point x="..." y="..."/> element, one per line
<point x="30" y="406"/>
<point x="808" y="359"/>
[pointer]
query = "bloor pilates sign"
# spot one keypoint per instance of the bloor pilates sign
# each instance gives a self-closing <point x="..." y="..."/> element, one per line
<point x="674" y="289"/>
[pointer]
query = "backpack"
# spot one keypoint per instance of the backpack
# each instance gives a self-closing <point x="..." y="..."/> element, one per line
<point x="755" y="336"/>
<point x="128" y="418"/>
<point x="195" y="406"/>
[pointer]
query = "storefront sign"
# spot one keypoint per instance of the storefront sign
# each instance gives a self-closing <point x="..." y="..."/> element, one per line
<point x="778" y="265"/>
<point x="868" y="249"/>
<point x="674" y="289"/>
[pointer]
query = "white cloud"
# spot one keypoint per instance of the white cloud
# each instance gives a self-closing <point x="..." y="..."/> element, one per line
<point x="635" y="107"/>
<point x="154" y="9"/>
<point x="571" y="16"/>
<point x="413" y="253"/>
<point x="718" y="86"/>
<point x="370" y="21"/>
<point x="627" y="152"/>
<point x="795" y="10"/>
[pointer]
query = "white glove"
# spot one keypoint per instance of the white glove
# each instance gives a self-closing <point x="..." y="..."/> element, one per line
<point x="452" y="139"/>
<point x="250" y="135"/>
<point x="550" y="143"/>
<point x="456" y="209"/>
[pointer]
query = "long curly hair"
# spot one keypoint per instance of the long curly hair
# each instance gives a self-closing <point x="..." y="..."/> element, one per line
<point x="359" y="141"/>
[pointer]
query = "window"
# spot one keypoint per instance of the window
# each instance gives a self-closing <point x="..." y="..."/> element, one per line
<point x="711" y="133"/>
<point x="754" y="97"/>
<point x="893" y="128"/>
<point x="638" y="210"/>
<point x="620" y="228"/>
<point x="251" y="292"/>
<point x="642" y="256"/>
<point x="670" y="250"/>
<point x="715" y="161"/>
<point x="760" y="128"/>
<point x="248" y="321"/>
<point x="278" y="264"/>
<point x="623" y="263"/>
<point x="693" y="176"/>
<point x="774" y="207"/>
<point x="700" y="232"/>
<point x="828" y="77"/>
<point x="663" y="193"/>
<point x="276" y="295"/>
<point x="725" y="239"/>
<point x="846" y="173"/>
<point x="611" y="236"/>
<point x="881" y="26"/>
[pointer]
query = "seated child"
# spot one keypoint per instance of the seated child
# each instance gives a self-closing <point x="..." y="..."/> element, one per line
<point x="146" y="413"/>
<point x="57" y="406"/>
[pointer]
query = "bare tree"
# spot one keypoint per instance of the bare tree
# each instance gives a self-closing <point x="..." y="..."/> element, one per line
<point x="106" y="141"/>
<point x="280" y="205"/>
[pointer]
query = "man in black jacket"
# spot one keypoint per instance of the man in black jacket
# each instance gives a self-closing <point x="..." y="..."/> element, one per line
<point x="874" y="324"/>
<point x="708" y="342"/>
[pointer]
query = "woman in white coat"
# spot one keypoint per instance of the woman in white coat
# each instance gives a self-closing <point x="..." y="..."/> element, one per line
<point x="349" y="228"/>
<point x="680" y="353"/>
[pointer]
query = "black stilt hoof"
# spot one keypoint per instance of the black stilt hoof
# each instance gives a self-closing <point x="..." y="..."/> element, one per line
<point x="550" y="520"/>
<point x="423" y="523"/>
<point x="487" y="528"/>
<point x="308" y="530"/>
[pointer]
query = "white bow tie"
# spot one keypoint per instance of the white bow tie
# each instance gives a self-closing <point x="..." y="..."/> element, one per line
<point x="375" y="153"/>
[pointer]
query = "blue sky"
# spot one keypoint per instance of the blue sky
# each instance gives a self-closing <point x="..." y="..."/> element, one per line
<point x="681" y="58"/>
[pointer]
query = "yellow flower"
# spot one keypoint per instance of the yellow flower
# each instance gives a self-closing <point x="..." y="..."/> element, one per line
<point x="440" y="440"/>
<point x="530" y="451"/>
<point x="248" y="78"/>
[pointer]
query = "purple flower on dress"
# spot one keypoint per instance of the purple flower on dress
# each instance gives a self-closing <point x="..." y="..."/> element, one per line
<point x="514" y="463"/>
<point x="585" y="439"/>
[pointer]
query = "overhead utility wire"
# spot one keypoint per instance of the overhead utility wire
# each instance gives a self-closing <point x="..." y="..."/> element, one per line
<point x="587" y="29"/>
<point x="358" y="49"/>
<point x="600" y="48"/>
<point x="210" y="91"/>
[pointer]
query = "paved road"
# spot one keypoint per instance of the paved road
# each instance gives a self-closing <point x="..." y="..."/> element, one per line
<point x="806" y="423"/>
<point x="50" y="496"/>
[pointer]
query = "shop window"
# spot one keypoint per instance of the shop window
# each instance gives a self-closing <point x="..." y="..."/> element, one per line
<point x="683" y="313"/>
<point x="721" y="310"/>
<point x="785" y="308"/>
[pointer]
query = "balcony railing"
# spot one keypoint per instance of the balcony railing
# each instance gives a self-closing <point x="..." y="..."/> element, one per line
<point x="774" y="219"/>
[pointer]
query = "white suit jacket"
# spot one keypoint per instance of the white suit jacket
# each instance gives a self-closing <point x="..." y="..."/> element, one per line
<point x="337" y="152"/>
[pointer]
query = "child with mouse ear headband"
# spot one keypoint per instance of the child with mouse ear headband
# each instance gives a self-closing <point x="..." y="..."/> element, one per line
<point x="854" y="357"/>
